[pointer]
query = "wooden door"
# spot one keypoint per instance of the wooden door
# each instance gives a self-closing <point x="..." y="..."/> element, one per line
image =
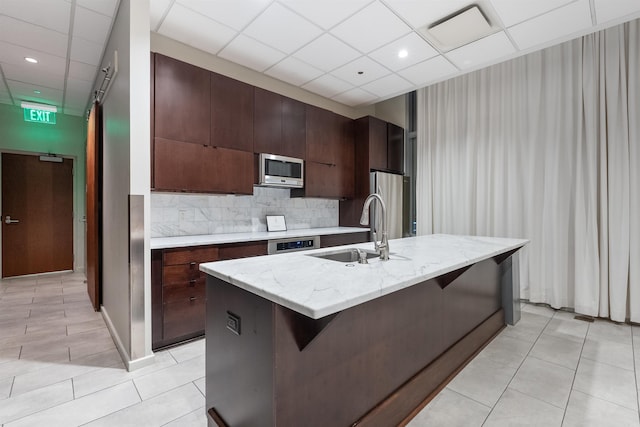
<point x="37" y="215"/>
<point x="94" y="205"/>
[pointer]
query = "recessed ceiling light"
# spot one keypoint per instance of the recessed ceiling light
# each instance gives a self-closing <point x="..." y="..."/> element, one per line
<point x="37" y="92"/>
<point x="30" y="59"/>
<point x="403" y="53"/>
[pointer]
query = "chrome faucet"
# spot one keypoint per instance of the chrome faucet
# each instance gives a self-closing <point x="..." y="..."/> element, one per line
<point x="383" y="247"/>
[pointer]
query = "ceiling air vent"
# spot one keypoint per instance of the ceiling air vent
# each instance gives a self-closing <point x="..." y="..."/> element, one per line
<point x="463" y="27"/>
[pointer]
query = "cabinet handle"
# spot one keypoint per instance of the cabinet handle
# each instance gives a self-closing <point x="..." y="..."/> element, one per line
<point x="192" y="282"/>
<point x="192" y="264"/>
<point x="192" y="298"/>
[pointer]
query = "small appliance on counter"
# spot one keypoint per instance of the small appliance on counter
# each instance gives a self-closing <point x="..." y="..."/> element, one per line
<point x="276" y="223"/>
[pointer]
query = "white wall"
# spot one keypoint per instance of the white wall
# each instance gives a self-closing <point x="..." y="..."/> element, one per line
<point x="126" y="163"/>
<point x="393" y="110"/>
<point x="66" y="138"/>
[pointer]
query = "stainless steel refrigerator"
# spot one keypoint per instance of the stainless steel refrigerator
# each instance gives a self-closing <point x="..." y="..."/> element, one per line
<point x="390" y="187"/>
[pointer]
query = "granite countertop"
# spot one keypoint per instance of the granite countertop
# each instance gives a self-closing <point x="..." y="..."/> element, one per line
<point x="317" y="287"/>
<point x="216" y="239"/>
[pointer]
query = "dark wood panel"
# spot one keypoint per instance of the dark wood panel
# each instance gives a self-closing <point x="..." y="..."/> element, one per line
<point x="182" y="101"/>
<point x="231" y="113"/>
<point x="180" y="273"/>
<point x="156" y="297"/>
<point x="230" y="170"/>
<point x="190" y="255"/>
<point x="267" y="122"/>
<point x="343" y="239"/>
<point x="323" y="136"/>
<point x="179" y="166"/>
<point x="184" y="318"/>
<point x="242" y="250"/>
<point x="395" y="148"/>
<point x="293" y="128"/>
<point x="377" y="136"/>
<point x="184" y="291"/>
<point x="328" y="181"/>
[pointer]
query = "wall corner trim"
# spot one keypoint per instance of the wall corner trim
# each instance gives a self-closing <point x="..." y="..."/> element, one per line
<point x="131" y="365"/>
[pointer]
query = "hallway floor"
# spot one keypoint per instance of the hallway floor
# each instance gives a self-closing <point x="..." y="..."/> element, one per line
<point x="59" y="367"/>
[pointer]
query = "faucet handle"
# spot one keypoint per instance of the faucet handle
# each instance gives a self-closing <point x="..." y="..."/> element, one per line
<point x="362" y="255"/>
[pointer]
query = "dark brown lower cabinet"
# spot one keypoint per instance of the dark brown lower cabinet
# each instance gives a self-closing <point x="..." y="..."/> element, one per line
<point x="178" y="300"/>
<point x="370" y="365"/>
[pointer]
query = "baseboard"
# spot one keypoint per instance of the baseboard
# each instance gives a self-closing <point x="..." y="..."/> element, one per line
<point x="131" y="365"/>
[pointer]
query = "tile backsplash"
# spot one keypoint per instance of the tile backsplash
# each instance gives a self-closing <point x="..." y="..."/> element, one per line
<point x="175" y="214"/>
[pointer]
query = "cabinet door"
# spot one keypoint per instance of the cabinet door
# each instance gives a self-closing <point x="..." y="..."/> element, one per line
<point x="377" y="144"/>
<point x="179" y="166"/>
<point x="230" y="171"/>
<point x="323" y="135"/>
<point x="293" y="128"/>
<point x="182" y="101"/>
<point x="328" y="181"/>
<point x="231" y="113"/>
<point x="395" y="148"/>
<point x="267" y="122"/>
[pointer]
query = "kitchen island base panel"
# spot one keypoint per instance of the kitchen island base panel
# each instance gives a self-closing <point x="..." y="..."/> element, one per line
<point x="372" y="364"/>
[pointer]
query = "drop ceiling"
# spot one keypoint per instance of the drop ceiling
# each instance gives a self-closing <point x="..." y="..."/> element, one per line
<point x="345" y="50"/>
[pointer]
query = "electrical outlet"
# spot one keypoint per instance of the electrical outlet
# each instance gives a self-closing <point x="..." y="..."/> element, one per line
<point x="233" y="323"/>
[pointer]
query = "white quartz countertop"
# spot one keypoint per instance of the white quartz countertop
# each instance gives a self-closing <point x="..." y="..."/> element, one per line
<point x="216" y="239"/>
<point x="317" y="287"/>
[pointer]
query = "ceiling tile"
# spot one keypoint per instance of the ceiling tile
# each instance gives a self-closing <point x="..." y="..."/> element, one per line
<point x="420" y="12"/>
<point x="13" y="54"/>
<point x="327" y="86"/>
<point x="557" y="24"/>
<point x="251" y="53"/>
<point x="432" y="70"/>
<point x="34" y="75"/>
<point x="157" y="9"/>
<point x="487" y="50"/>
<point x="91" y="25"/>
<point x="513" y="12"/>
<point x="326" y="13"/>
<point x="81" y="71"/>
<point x="608" y="10"/>
<point x="355" y="97"/>
<point x="86" y="51"/>
<point x="24" y="92"/>
<point x="201" y="32"/>
<point x="370" y="69"/>
<point x="326" y="53"/>
<point x="51" y="14"/>
<point x="282" y="29"/>
<point x="104" y="7"/>
<point x="294" y="71"/>
<point x="78" y="93"/>
<point x="417" y="51"/>
<point x="236" y="14"/>
<point x="388" y="85"/>
<point x="74" y="112"/>
<point x="371" y="28"/>
<point x="32" y="36"/>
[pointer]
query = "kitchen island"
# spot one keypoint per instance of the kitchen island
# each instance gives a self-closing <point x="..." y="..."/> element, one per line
<point x="297" y="339"/>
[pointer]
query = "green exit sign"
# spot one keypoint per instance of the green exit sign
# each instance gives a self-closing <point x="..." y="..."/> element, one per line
<point x="39" y="116"/>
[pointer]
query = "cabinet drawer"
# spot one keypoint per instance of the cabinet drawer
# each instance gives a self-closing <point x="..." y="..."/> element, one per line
<point x="183" y="291"/>
<point x="186" y="256"/>
<point x="183" y="318"/>
<point x="180" y="273"/>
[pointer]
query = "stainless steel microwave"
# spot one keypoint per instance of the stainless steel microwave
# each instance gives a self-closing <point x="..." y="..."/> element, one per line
<point x="281" y="171"/>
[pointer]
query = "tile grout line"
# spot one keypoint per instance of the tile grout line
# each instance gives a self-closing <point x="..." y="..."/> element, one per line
<point x="575" y="374"/>
<point x="518" y="369"/>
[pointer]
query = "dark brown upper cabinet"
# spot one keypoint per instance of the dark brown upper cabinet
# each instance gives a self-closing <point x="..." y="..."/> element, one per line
<point x="382" y="143"/>
<point x="231" y="113"/>
<point x="278" y="124"/>
<point x="329" y="166"/>
<point x="395" y="148"/>
<point x="181" y="98"/>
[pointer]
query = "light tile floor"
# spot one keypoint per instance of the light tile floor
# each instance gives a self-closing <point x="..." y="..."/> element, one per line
<point x="59" y="367"/>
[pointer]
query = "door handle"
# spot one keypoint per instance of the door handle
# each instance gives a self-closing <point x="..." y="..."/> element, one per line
<point x="8" y="220"/>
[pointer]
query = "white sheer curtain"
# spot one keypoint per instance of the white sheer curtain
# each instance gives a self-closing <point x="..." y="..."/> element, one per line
<point x="545" y="147"/>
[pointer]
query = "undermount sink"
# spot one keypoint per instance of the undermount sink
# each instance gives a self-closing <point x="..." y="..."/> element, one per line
<point x="346" y="255"/>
